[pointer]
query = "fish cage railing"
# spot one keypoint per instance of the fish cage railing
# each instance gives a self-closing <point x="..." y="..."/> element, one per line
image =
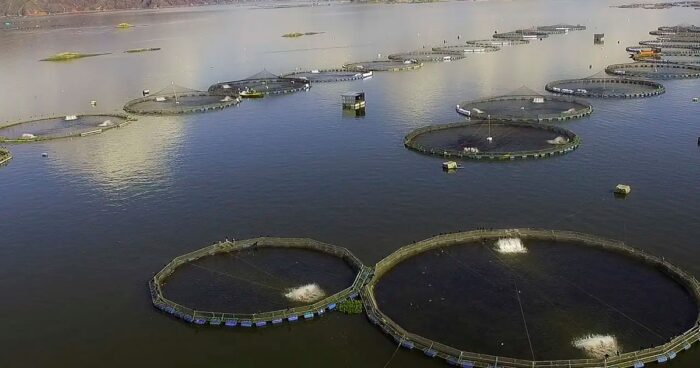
<point x="470" y="359"/>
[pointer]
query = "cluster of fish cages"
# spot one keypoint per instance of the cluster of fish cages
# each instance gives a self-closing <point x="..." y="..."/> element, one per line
<point x="5" y="156"/>
<point x="457" y="357"/>
<point x="262" y="318"/>
<point x="606" y="87"/>
<point x="61" y="127"/>
<point x="654" y="70"/>
<point x="466" y="48"/>
<point x="328" y="75"/>
<point x="263" y="83"/>
<point x="526" y="108"/>
<point x="497" y="42"/>
<point x="672" y="44"/>
<point x="174" y="102"/>
<point x="487" y="140"/>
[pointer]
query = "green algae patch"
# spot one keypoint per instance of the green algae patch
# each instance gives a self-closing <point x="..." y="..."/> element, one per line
<point x="66" y="56"/>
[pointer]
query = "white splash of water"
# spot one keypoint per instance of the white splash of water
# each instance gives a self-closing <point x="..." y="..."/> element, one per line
<point x="597" y="346"/>
<point x="510" y="245"/>
<point x="308" y="293"/>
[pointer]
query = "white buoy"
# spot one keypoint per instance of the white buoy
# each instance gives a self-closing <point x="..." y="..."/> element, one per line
<point x="489" y="139"/>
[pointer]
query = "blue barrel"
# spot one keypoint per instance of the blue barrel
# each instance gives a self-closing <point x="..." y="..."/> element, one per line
<point x="331" y="306"/>
<point x="321" y="311"/>
<point x="466" y="364"/>
<point x="200" y="321"/>
<point x="260" y="324"/>
<point x="662" y="359"/>
<point x="308" y="315"/>
<point x="430" y="352"/>
<point x="277" y="321"/>
<point x="638" y="365"/>
<point x="353" y="296"/>
<point x="293" y="318"/>
<point x="451" y="361"/>
<point x="188" y="318"/>
<point x="215" y="322"/>
<point x="246" y="324"/>
<point x="407" y="344"/>
<point x="671" y="355"/>
<point x="231" y="323"/>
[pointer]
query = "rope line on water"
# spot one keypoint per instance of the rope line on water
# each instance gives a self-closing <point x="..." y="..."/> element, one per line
<point x="392" y="355"/>
<point x="237" y="277"/>
<point x="522" y="313"/>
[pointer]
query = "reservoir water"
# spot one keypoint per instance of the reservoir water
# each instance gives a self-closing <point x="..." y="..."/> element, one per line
<point x="84" y="229"/>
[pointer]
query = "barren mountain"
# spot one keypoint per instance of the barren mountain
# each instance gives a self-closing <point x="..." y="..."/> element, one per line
<point x="44" y="7"/>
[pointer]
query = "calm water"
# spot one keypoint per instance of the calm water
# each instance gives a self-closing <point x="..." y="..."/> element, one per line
<point x="84" y="229"/>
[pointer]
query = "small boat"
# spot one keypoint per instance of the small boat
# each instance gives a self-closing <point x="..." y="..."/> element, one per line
<point x="252" y="94"/>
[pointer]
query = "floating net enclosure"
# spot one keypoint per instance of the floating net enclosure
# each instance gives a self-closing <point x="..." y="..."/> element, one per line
<point x="506" y="298"/>
<point x="497" y="42"/>
<point x="5" y="156"/>
<point x="522" y="34"/>
<point x="693" y="60"/>
<point x="422" y="56"/>
<point x="527" y="106"/>
<point x="258" y="281"/>
<point x="654" y="70"/>
<point x="179" y="100"/>
<point x="602" y="86"/>
<point x="560" y="28"/>
<point x="672" y="44"/>
<point x="331" y="75"/>
<point x="495" y="140"/>
<point x="61" y="127"/>
<point x="263" y="82"/>
<point x="683" y="28"/>
<point x="383" y="66"/>
<point x="466" y="49"/>
<point x="681" y="37"/>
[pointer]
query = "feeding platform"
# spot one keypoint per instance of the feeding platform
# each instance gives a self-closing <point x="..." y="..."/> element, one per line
<point x="175" y="100"/>
<point x="61" y="127"/>
<point x="353" y="100"/>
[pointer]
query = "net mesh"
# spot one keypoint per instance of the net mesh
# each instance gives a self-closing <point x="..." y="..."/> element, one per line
<point x="177" y="99"/>
<point x="601" y="85"/>
<point x="263" y="82"/>
<point x="654" y="70"/>
<point x="59" y="127"/>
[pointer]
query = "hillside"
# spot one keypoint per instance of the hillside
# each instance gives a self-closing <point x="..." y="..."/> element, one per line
<point x="45" y="7"/>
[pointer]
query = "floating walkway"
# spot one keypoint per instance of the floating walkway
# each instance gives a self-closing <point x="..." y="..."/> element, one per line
<point x="263" y="318"/>
<point x="453" y="356"/>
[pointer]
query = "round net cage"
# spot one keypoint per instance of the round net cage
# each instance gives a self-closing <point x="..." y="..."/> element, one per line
<point x="681" y="37"/>
<point x="383" y="66"/>
<point x="560" y="28"/>
<point x="654" y="70"/>
<point x="5" y="156"/>
<point x="492" y="140"/>
<point x="61" y="127"/>
<point x="602" y="86"/>
<point x="686" y="28"/>
<point x="459" y="296"/>
<point x="497" y="42"/>
<point x="466" y="48"/>
<point x="264" y="83"/>
<point x="426" y="56"/>
<point x="331" y="75"/>
<point x="255" y="282"/>
<point x="688" y="59"/>
<point x="526" y="105"/>
<point x="522" y="34"/>
<point x="179" y="100"/>
<point x="672" y="44"/>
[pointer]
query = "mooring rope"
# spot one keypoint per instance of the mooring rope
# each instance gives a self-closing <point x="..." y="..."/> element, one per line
<point x="522" y="313"/>
<point x="237" y="277"/>
<point x="392" y="355"/>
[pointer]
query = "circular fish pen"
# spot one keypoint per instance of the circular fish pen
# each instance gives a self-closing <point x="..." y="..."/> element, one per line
<point x="383" y="66"/>
<point x="496" y="140"/>
<point x="671" y="44"/>
<point x="330" y="75"/>
<point x="5" y="156"/>
<point x="522" y="34"/>
<point x="179" y="100"/>
<point x="560" y="28"/>
<point x="466" y="49"/>
<point x="426" y="56"/>
<point x="654" y="70"/>
<point x="486" y="274"/>
<point x="497" y="42"/>
<point x="693" y="60"/>
<point x="526" y="108"/>
<point x="675" y="29"/>
<point x="606" y="87"/>
<point x="286" y="302"/>
<point x="61" y="127"/>
<point x="264" y="82"/>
